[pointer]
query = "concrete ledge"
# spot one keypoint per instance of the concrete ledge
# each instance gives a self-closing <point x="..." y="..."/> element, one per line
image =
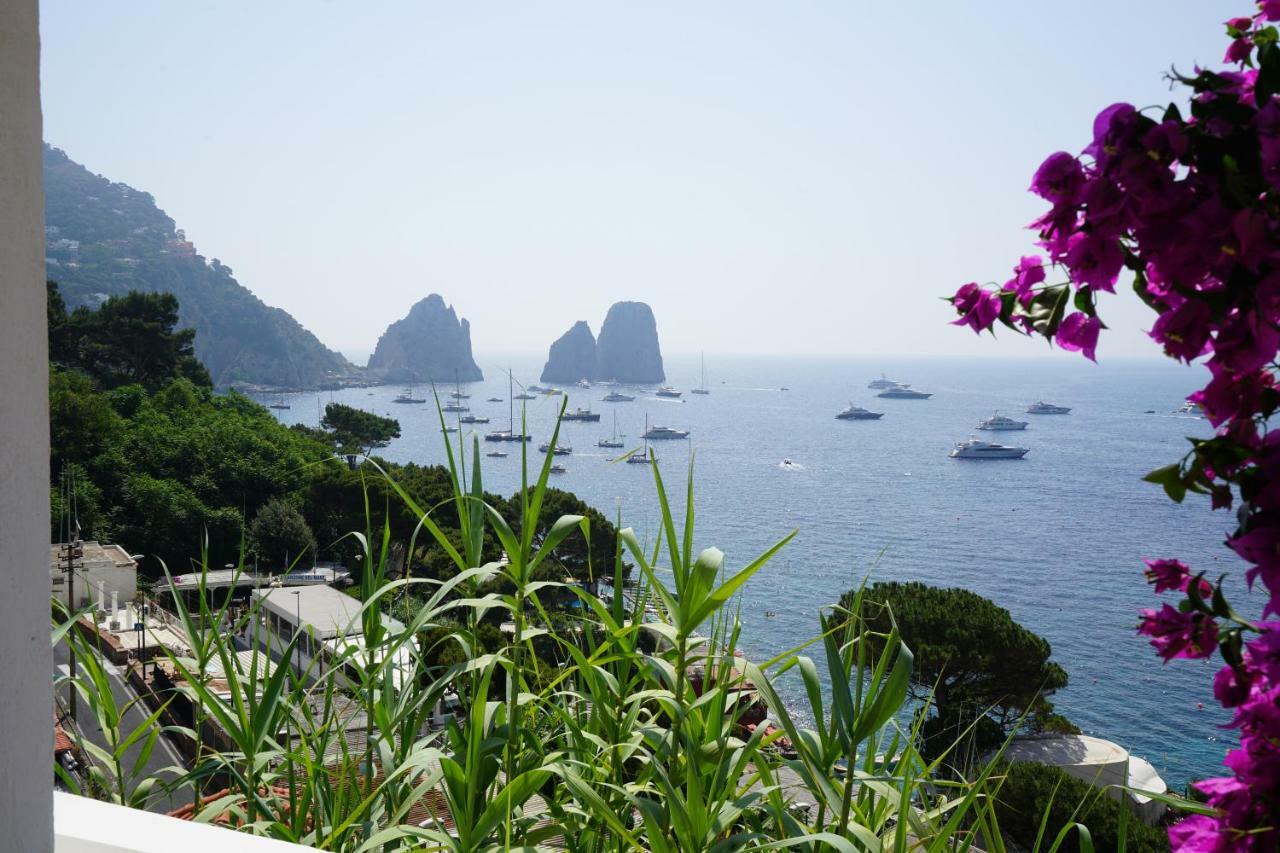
<point x="82" y="825"/>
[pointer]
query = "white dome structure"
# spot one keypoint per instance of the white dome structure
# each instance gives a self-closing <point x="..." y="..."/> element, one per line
<point x="1098" y="762"/>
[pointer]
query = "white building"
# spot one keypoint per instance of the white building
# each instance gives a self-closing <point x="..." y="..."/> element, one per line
<point x="101" y="571"/>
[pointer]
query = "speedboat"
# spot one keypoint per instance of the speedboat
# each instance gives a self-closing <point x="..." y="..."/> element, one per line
<point x="583" y="383"/>
<point x="473" y="419"/>
<point x="615" y="397"/>
<point x="882" y="383"/>
<point x="558" y="469"/>
<point x="495" y="399"/>
<point x="524" y="396"/>
<point x="657" y="432"/>
<point x="581" y="415"/>
<point x="1040" y="407"/>
<point x="855" y="413"/>
<point x="497" y="454"/>
<point x="667" y="391"/>
<point x="558" y="450"/>
<point x="454" y="406"/>
<point x="1191" y="408"/>
<point x="973" y="448"/>
<point x="998" y="422"/>
<point x="903" y="392"/>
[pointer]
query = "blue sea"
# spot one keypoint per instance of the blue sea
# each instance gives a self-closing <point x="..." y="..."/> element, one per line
<point x="1057" y="537"/>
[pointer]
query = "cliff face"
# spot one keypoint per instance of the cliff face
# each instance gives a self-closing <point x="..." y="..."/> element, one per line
<point x="627" y="349"/>
<point x="105" y="239"/>
<point x="429" y="344"/>
<point x="572" y="356"/>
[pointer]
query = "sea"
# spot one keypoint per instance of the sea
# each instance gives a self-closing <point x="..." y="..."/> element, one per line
<point x="1057" y="537"/>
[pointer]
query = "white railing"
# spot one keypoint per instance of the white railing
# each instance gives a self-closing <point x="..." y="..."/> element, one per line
<point x="81" y="825"/>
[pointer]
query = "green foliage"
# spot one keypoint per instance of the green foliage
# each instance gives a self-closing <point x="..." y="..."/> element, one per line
<point x="1031" y="791"/>
<point x="279" y="535"/>
<point x="131" y="339"/>
<point x="971" y="656"/>
<point x="354" y="430"/>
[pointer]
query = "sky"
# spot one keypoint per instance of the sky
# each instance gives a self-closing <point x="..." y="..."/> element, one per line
<point x="801" y="178"/>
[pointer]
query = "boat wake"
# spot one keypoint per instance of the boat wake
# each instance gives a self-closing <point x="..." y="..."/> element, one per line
<point x="788" y="465"/>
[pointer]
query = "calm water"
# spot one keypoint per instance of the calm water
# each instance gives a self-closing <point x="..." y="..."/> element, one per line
<point x="1056" y="537"/>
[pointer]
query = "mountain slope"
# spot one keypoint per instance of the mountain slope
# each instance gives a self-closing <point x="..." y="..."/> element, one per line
<point x="429" y="344"/>
<point x="104" y="239"/>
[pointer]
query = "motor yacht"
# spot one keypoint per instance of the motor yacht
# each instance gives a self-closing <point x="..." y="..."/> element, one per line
<point x="524" y="396"/>
<point x="856" y="413"/>
<point x="454" y="406"/>
<point x="581" y="415"/>
<point x="583" y="383"/>
<point x="615" y="397"/>
<point x="406" y="396"/>
<point x="903" y="392"/>
<point x="473" y="419"/>
<point x="659" y="432"/>
<point x="999" y="423"/>
<point x="558" y="469"/>
<point x="973" y="448"/>
<point x="497" y="454"/>
<point x="1040" y="407"/>
<point x="882" y="383"/>
<point x="506" y="435"/>
<point x="558" y="450"/>
<point x="1190" y="408"/>
<point x="666" y="391"/>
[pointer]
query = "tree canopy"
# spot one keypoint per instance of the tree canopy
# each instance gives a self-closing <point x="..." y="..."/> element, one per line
<point x="970" y="654"/>
<point x="279" y="535"/>
<point x="354" y="430"/>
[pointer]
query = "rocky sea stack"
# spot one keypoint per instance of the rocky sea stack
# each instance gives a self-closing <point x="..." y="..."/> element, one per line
<point x="572" y="356"/>
<point x="429" y="345"/>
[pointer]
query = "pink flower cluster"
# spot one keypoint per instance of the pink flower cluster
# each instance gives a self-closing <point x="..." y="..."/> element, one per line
<point x="1190" y="206"/>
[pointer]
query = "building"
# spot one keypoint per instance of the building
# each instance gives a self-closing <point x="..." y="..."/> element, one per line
<point x="101" y="571"/>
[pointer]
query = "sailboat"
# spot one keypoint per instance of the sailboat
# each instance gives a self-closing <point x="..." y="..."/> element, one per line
<point x="508" y="434"/>
<point x="613" y="442"/>
<point x="456" y="404"/>
<point x="702" y="389"/>
<point x="642" y="458"/>
<point x="406" y="396"/>
<point x="279" y="404"/>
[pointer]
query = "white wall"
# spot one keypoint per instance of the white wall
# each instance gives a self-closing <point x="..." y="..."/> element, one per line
<point x="26" y="662"/>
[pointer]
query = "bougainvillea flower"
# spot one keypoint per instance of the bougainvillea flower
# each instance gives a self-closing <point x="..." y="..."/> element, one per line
<point x="978" y="308"/>
<point x="1176" y="634"/>
<point x="1246" y="342"/>
<point x="1059" y="178"/>
<point x="1079" y="333"/>
<point x="1111" y="128"/>
<point x="1173" y="576"/>
<point x="1027" y="274"/>
<point x="1184" y="331"/>
<point x="1094" y="261"/>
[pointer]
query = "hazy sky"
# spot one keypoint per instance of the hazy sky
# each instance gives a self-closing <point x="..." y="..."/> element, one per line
<point x="790" y="177"/>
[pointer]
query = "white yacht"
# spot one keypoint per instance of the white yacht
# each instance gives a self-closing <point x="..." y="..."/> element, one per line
<point x="558" y="469"/>
<point x="702" y="389"/>
<point x="558" y="450"/>
<point x="903" y="392"/>
<point x="497" y="454"/>
<point x="1190" y="408"/>
<point x="1040" y="407"/>
<point x="615" y="397"/>
<point x="973" y="448"/>
<point x="454" y="406"/>
<point x="857" y="413"/>
<point x="585" y="415"/>
<point x="406" y="396"/>
<point x="999" y="423"/>
<point x="657" y="432"/>
<point x="524" y="396"/>
<point x="613" y="442"/>
<point x="459" y="395"/>
<point x="583" y="383"/>
<point x="473" y="419"/>
<point x="882" y="383"/>
<point x="668" y="391"/>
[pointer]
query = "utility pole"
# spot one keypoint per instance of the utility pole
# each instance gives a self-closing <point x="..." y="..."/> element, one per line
<point x="69" y="550"/>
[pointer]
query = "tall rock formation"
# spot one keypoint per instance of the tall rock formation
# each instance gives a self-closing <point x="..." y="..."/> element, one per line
<point x="104" y="239"/>
<point x="429" y="345"/>
<point x="572" y="356"/>
<point x="627" y="349"/>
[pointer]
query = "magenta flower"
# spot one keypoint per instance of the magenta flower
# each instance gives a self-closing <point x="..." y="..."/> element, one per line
<point x="1094" y="261"/>
<point x="1027" y="274"/>
<point x="1079" y="333"/>
<point x="1178" y="634"/>
<point x="1184" y="331"/>
<point x="1199" y="834"/>
<point x="1246" y="342"/>
<point x="1269" y="9"/>
<point x="1059" y="178"/>
<point x="1239" y="50"/>
<point x="1173" y="576"/>
<point x="978" y="308"/>
<point x="1111" y="129"/>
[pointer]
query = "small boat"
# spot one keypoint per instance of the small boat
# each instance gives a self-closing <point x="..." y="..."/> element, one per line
<point x="524" y="396"/>
<point x="497" y="454"/>
<point x="615" y="397"/>
<point x="662" y="432"/>
<point x="667" y="391"/>
<point x="406" y="396"/>
<point x="903" y="392"/>
<point x="702" y="389"/>
<point x="495" y="399"/>
<point x="454" y="406"/>
<point x="280" y="404"/>
<point x="583" y="383"/>
<point x="613" y="442"/>
<point x="999" y="423"/>
<point x="558" y="450"/>
<point x="558" y="469"/>
<point x="473" y="419"/>
<point x="1195" y="410"/>
<point x="1040" y="407"/>
<point x="856" y="413"/>
<point x="508" y="434"/>
<point x="450" y="429"/>
<point x="642" y="458"/>
<point x="459" y="395"/>
<point x="973" y="448"/>
<point x="552" y="392"/>
<point x="536" y="389"/>
<point x="882" y="383"/>
<point x="581" y="415"/>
